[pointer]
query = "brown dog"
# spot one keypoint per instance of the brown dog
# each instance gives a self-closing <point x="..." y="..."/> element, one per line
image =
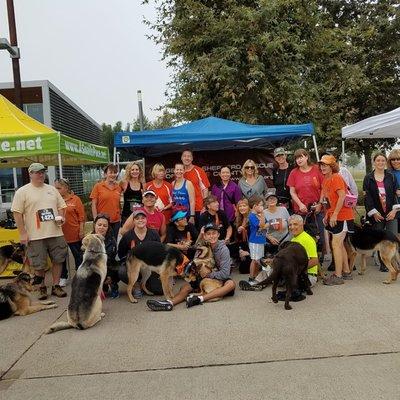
<point x="202" y="264"/>
<point x="148" y="257"/>
<point x="290" y="263"/>
<point x="15" y="298"/>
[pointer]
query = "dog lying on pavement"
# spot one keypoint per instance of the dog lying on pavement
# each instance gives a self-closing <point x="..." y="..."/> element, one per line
<point x="152" y="256"/>
<point x="15" y="298"/>
<point x="365" y="240"/>
<point x="290" y="264"/>
<point x="85" y="305"/>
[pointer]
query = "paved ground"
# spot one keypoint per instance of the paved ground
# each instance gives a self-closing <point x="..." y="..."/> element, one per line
<point x="341" y="343"/>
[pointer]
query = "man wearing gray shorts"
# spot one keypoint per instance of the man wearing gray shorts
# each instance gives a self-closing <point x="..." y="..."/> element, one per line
<point x="39" y="212"/>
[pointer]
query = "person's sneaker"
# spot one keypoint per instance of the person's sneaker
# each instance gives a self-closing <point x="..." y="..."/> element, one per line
<point x="192" y="301"/>
<point x="137" y="293"/>
<point x="159" y="305"/>
<point x="114" y="291"/>
<point x="250" y="286"/>
<point x="383" y="268"/>
<point x="63" y="282"/>
<point x="347" y="276"/>
<point x="42" y="293"/>
<point x="333" y="280"/>
<point x="57" y="291"/>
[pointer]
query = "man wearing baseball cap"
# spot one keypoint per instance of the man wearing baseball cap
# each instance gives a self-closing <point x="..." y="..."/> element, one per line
<point x="155" y="218"/>
<point x="221" y="273"/>
<point x="280" y="176"/>
<point x="39" y="212"/>
<point x="181" y="233"/>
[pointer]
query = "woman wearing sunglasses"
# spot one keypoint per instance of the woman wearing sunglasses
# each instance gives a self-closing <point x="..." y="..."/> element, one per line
<point x="251" y="183"/>
<point x="394" y="168"/>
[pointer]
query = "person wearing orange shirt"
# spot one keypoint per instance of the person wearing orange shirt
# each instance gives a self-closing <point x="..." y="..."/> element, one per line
<point x="162" y="189"/>
<point x="338" y="219"/>
<point x="106" y="196"/>
<point x="73" y="227"/>
<point x="198" y="177"/>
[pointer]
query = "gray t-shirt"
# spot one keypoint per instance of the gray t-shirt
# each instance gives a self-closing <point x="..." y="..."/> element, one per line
<point x="278" y="223"/>
<point x="259" y="188"/>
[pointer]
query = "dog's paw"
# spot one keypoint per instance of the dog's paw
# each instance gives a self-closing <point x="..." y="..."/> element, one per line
<point x="387" y="282"/>
<point x="133" y="300"/>
<point x="102" y="315"/>
<point x="53" y="305"/>
<point x="288" y="307"/>
<point x="274" y="299"/>
<point x="361" y="272"/>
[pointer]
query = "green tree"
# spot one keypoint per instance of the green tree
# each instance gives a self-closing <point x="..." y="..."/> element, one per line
<point x="282" y="61"/>
<point x="107" y="135"/>
<point x="352" y="159"/>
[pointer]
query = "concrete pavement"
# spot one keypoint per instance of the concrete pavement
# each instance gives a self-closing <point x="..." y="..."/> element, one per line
<point x="342" y="342"/>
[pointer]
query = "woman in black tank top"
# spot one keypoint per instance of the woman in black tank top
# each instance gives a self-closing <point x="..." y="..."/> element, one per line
<point x="133" y="187"/>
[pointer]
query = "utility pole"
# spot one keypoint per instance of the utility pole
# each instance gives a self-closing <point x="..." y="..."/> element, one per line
<point x="15" y="61"/>
<point x="140" y="103"/>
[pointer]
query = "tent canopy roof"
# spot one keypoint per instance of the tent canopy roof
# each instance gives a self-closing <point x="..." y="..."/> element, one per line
<point x="378" y="127"/>
<point x="24" y="140"/>
<point x="208" y="134"/>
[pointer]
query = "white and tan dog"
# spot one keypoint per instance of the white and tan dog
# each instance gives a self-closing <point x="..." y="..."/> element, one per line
<point x="85" y="305"/>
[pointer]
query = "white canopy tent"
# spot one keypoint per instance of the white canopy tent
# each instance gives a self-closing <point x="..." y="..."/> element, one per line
<point x="378" y="127"/>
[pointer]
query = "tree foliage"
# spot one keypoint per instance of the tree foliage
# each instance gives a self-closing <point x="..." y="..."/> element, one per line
<point x="282" y="61"/>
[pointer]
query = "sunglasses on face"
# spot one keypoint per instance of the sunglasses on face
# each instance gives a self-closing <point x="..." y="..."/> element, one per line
<point x="395" y="159"/>
<point x="249" y="167"/>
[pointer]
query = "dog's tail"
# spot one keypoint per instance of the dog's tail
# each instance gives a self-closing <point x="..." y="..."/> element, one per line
<point x="58" y="326"/>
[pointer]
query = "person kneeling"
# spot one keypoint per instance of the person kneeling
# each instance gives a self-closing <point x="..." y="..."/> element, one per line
<point x="223" y="266"/>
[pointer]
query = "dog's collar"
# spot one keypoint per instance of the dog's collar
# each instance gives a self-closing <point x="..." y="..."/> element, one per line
<point x="96" y="252"/>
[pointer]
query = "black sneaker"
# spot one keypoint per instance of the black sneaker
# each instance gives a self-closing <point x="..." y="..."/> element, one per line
<point x="331" y="266"/>
<point x="383" y="268"/>
<point x="250" y="286"/>
<point x="159" y="305"/>
<point x="42" y="293"/>
<point x="192" y="301"/>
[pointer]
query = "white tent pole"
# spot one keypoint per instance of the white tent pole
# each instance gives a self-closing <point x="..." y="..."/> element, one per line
<point x="315" y="146"/>
<point x="59" y="156"/>
<point x="343" y="149"/>
<point x="115" y="156"/>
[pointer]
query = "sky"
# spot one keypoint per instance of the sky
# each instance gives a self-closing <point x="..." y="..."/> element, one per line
<point x="95" y="51"/>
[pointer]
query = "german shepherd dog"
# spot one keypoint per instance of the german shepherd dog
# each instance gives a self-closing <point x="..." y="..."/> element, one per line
<point x="152" y="256"/>
<point x="85" y="305"/>
<point x="290" y="263"/>
<point x="11" y="252"/>
<point x="203" y="263"/>
<point x="15" y="298"/>
<point x="365" y="240"/>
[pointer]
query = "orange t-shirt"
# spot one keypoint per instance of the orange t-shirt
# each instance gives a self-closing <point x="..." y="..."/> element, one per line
<point x="74" y="216"/>
<point x="108" y="200"/>
<point x="163" y="194"/>
<point x="200" y="181"/>
<point x="330" y="187"/>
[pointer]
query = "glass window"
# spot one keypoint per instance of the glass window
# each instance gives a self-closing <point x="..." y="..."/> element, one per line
<point x="35" y="110"/>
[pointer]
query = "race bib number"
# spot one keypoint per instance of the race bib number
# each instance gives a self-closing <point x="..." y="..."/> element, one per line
<point x="47" y="214"/>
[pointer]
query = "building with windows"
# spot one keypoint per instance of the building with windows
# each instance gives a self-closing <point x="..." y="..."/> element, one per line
<point x="47" y="104"/>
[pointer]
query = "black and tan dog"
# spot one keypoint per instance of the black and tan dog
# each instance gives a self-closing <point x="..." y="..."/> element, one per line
<point x="11" y="252"/>
<point x="15" y="298"/>
<point x="156" y="257"/>
<point x="365" y="240"/>
<point x="203" y="263"/>
<point x="290" y="264"/>
<point x="85" y="305"/>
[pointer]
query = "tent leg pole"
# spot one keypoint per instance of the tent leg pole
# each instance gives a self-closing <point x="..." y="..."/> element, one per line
<point x="115" y="155"/>
<point x="343" y="149"/>
<point x="315" y="146"/>
<point x="60" y="165"/>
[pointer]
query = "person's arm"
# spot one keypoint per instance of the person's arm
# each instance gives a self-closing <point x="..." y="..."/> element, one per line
<point x="94" y="208"/>
<point x="333" y="218"/>
<point x="293" y="194"/>
<point x="312" y="262"/>
<point x="192" y="200"/>
<point x="128" y="225"/>
<point x="80" y="210"/>
<point x="123" y="247"/>
<point x="23" y="234"/>
<point x="228" y="234"/>
<point x="223" y="260"/>
<point x="392" y="213"/>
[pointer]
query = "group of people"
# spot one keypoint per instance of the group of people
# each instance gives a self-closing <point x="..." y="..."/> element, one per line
<point x="243" y="222"/>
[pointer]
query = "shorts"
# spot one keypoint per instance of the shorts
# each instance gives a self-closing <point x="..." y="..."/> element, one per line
<point x="256" y="251"/>
<point x="38" y="250"/>
<point x="341" y="226"/>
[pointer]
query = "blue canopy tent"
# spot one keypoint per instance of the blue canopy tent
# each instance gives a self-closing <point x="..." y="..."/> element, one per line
<point x="210" y="134"/>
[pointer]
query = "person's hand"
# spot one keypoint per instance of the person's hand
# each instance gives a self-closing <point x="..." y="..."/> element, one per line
<point x="391" y="215"/>
<point x="202" y="231"/>
<point x="325" y="220"/>
<point x="378" y="217"/>
<point x="81" y="235"/>
<point x="333" y="220"/>
<point x="243" y="253"/>
<point x="318" y="208"/>
<point x="184" y="245"/>
<point x="23" y="238"/>
<point x="191" y="220"/>
<point x="240" y="229"/>
<point x="302" y="208"/>
<point x="273" y="240"/>
<point x="227" y="240"/>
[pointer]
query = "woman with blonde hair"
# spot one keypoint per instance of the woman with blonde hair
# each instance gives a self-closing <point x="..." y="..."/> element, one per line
<point x="162" y="189"/>
<point x="132" y="186"/>
<point x="251" y="183"/>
